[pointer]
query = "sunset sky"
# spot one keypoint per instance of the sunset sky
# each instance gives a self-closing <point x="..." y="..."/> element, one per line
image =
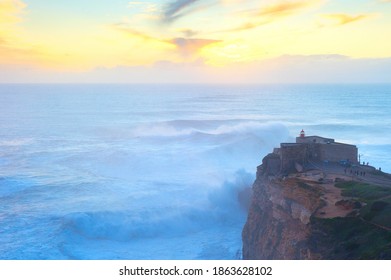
<point x="195" y="41"/>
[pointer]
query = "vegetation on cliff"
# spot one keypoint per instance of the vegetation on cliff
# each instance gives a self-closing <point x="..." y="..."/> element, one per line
<point x="365" y="235"/>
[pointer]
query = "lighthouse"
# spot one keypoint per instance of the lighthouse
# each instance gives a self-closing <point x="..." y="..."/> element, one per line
<point x="302" y="134"/>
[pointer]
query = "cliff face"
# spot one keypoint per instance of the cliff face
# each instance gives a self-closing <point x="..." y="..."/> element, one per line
<point x="305" y="216"/>
<point x="279" y="219"/>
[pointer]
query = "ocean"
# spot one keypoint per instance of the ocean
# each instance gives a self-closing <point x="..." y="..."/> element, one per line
<point x="155" y="171"/>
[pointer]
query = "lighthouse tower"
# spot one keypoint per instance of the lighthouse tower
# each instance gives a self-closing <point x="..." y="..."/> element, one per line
<point x="302" y="133"/>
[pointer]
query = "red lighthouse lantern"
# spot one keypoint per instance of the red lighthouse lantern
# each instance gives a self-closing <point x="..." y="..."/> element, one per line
<point x="302" y="134"/>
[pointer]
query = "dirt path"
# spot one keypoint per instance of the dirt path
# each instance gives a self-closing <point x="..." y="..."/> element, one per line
<point x="376" y="225"/>
<point x="331" y="196"/>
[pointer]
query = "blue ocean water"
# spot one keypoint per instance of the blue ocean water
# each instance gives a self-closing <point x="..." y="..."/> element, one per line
<point x="155" y="171"/>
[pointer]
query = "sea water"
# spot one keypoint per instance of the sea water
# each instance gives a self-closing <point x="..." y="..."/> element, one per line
<point x="155" y="171"/>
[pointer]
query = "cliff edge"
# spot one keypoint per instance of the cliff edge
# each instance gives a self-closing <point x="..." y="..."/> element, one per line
<point x="321" y="210"/>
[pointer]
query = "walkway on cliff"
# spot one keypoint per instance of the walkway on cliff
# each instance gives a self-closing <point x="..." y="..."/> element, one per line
<point x="371" y="175"/>
<point x="375" y="224"/>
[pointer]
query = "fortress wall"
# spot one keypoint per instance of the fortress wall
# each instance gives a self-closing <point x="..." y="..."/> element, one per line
<point x="314" y="139"/>
<point x="337" y="152"/>
<point x="291" y="154"/>
<point x="314" y="152"/>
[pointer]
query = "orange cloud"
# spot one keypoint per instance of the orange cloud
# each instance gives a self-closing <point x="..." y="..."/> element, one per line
<point x="342" y="19"/>
<point x="188" y="47"/>
<point x="135" y="34"/>
<point x="270" y="13"/>
<point x="284" y="8"/>
<point x="245" y="26"/>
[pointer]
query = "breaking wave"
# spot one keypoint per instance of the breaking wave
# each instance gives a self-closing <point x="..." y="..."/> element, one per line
<point x="224" y="206"/>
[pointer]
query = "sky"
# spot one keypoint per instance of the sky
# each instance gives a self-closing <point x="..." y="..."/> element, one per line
<point x="195" y="41"/>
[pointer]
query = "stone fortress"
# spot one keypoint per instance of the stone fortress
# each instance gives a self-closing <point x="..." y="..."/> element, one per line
<point x="292" y="157"/>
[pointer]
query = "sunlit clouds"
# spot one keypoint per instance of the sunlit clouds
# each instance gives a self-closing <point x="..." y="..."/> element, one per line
<point x="80" y="36"/>
<point x="341" y="19"/>
<point x="11" y="13"/>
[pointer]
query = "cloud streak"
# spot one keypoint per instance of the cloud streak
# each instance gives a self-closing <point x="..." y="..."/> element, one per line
<point x="342" y="19"/>
<point x="284" y="8"/>
<point x="135" y="33"/>
<point x="270" y="13"/>
<point x="178" y="9"/>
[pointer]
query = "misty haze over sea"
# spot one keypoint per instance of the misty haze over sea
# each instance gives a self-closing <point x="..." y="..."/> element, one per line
<point x="154" y="171"/>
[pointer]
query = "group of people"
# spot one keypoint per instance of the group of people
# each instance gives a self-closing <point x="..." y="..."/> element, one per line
<point x="355" y="172"/>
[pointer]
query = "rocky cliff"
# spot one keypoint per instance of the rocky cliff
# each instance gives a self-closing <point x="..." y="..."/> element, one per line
<point x="306" y="216"/>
